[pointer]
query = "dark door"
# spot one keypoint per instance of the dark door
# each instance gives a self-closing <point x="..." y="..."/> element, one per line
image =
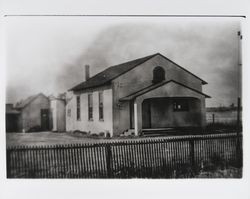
<point x="161" y="113"/>
<point x="45" y="119"/>
<point x="146" y="114"/>
<point x="11" y="123"/>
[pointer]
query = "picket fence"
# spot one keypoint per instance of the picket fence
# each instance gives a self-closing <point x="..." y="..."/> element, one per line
<point x="168" y="157"/>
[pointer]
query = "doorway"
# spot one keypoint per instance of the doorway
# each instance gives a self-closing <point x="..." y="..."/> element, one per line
<point x="146" y="114"/>
<point x="155" y="113"/>
<point x="44" y="119"/>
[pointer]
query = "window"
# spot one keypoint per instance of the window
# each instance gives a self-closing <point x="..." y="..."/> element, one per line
<point x="78" y="108"/>
<point x="69" y="112"/>
<point x="158" y="74"/>
<point x="90" y="106"/>
<point x="100" y="105"/>
<point x="181" y="105"/>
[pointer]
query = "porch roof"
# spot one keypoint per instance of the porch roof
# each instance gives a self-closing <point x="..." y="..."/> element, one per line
<point x="154" y="86"/>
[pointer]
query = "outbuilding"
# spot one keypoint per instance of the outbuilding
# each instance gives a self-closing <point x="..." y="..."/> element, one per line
<point x="34" y="113"/>
<point x="12" y="116"/>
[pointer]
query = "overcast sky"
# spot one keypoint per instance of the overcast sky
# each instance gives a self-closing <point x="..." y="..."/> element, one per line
<point x="48" y="54"/>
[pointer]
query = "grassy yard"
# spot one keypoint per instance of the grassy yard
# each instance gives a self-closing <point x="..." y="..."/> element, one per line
<point x="54" y="138"/>
<point x="46" y="138"/>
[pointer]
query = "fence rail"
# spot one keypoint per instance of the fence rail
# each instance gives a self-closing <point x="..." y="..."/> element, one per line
<point x="153" y="158"/>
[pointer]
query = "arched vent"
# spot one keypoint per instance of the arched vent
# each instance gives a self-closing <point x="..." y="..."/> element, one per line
<point x="158" y="74"/>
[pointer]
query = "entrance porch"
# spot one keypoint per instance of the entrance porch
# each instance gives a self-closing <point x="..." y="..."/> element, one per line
<point x="167" y="105"/>
<point x="165" y="114"/>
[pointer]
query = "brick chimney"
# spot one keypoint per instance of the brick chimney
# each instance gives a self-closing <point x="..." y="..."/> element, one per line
<point x="86" y="72"/>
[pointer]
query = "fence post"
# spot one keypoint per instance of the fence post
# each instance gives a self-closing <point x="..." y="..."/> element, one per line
<point x="238" y="116"/>
<point x="108" y="159"/>
<point x="238" y="142"/>
<point x="8" y="166"/>
<point x="191" y="154"/>
<point x="239" y="151"/>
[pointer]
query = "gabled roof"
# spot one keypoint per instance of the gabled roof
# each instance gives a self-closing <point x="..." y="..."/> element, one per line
<point x="23" y="103"/>
<point x="113" y="72"/>
<point x="154" y="86"/>
<point x="110" y="73"/>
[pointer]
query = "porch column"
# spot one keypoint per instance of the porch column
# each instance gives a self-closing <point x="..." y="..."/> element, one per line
<point x="135" y="119"/>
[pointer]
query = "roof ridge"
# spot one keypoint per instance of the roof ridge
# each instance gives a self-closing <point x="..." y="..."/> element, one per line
<point x="107" y="75"/>
<point x="123" y="63"/>
<point x="203" y="82"/>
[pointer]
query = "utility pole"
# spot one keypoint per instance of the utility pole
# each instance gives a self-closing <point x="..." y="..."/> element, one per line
<point x="239" y="82"/>
<point x="238" y="145"/>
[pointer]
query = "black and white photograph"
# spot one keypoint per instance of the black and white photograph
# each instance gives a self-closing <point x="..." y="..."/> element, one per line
<point x="108" y="99"/>
<point x="123" y="97"/>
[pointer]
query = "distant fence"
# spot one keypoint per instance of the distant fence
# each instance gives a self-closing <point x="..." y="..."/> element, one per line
<point x="227" y="117"/>
<point x="149" y="158"/>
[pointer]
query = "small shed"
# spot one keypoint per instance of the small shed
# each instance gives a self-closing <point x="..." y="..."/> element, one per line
<point x="34" y="113"/>
<point x="12" y="116"/>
